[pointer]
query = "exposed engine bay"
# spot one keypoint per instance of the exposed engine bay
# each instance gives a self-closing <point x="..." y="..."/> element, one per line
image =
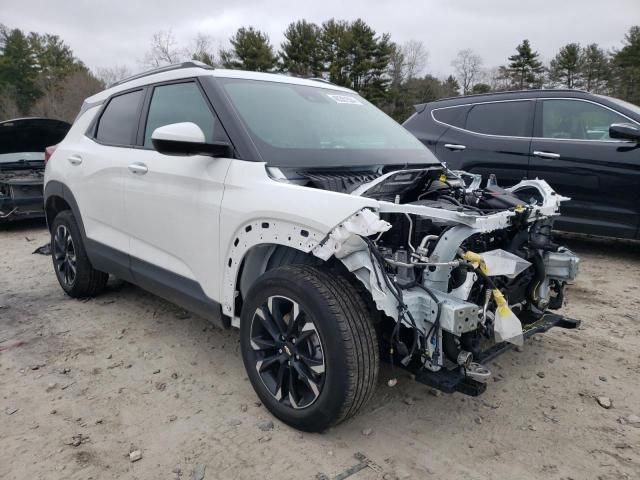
<point x="455" y="263"/>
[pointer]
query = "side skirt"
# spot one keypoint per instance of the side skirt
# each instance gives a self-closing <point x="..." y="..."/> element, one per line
<point x="175" y="288"/>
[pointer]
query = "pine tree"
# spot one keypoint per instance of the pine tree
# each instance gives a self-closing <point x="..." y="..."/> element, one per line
<point x="251" y="50"/>
<point x="451" y="87"/>
<point x="18" y="69"/>
<point x="567" y="65"/>
<point x="595" y="68"/>
<point x="301" y="52"/>
<point x="627" y="61"/>
<point x="525" y="66"/>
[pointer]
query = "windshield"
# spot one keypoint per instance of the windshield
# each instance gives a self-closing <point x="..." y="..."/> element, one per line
<point x="299" y="125"/>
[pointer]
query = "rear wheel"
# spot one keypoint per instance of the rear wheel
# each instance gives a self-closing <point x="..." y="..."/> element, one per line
<point x="74" y="271"/>
<point x="308" y="345"/>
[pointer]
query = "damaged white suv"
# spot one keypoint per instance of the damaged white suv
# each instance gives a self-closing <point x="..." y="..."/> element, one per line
<point x="298" y="212"/>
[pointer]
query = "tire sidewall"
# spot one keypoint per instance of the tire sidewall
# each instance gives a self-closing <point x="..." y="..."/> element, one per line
<point x="324" y="410"/>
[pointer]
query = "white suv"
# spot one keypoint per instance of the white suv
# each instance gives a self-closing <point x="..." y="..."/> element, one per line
<point x="297" y="211"/>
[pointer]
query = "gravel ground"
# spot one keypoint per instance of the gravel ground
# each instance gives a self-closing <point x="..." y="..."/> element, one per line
<point x="84" y="384"/>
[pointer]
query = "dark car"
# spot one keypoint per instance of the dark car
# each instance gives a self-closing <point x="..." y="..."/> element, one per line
<point x="585" y="146"/>
<point x="22" y="158"/>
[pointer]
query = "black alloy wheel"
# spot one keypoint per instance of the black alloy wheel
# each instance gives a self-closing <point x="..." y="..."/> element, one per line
<point x="287" y="352"/>
<point x="64" y="255"/>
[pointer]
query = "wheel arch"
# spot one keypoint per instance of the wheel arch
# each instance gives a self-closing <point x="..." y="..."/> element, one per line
<point x="57" y="198"/>
<point x="261" y="245"/>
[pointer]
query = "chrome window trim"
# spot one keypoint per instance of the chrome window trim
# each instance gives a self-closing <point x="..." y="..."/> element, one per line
<point x="532" y="100"/>
<point x="481" y="103"/>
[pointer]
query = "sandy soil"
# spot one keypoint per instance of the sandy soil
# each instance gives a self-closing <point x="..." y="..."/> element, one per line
<point x="83" y="383"/>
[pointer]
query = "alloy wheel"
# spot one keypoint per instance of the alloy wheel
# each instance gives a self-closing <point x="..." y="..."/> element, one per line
<point x="287" y="352"/>
<point x="64" y="255"/>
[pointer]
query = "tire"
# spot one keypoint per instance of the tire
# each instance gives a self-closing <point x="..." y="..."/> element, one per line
<point x="74" y="271"/>
<point x="336" y="349"/>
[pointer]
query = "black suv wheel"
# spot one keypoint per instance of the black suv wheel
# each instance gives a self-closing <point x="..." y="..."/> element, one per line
<point x="73" y="269"/>
<point x="308" y="345"/>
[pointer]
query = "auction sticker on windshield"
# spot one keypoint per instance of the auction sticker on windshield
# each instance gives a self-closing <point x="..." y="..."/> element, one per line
<point x="344" y="99"/>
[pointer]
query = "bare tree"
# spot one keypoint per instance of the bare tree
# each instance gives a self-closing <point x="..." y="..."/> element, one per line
<point x="468" y="66"/>
<point x="497" y="78"/>
<point x="164" y="50"/>
<point x="202" y="49"/>
<point x="63" y="100"/>
<point x="111" y="75"/>
<point x="415" y="58"/>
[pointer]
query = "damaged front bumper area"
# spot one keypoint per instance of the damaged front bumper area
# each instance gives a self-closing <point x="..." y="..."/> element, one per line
<point x="21" y="197"/>
<point x="458" y="286"/>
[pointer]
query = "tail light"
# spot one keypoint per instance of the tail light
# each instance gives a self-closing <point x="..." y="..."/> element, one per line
<point x="48" y="151"/>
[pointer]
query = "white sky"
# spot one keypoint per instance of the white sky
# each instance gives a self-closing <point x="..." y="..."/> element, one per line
<point x="109" y="32"/>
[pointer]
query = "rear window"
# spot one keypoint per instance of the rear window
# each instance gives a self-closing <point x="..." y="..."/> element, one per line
<point x="510" y="119"/>
<point x="118" y="124"/>
<point x="454" y="116"/>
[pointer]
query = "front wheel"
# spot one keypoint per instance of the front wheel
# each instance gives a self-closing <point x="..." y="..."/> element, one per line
<point x="308" y="345"/>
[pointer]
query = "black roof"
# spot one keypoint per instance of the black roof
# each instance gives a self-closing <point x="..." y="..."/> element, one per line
<point x="509" y="95"/>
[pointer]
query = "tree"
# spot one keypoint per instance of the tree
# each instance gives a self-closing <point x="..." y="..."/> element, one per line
<point x="202" y="49"/>
<point x="525" y="66"/>
<point x="627" y="62"/>
<point x="18" y="69"/>
<point x="334" y="38"/>
<point x="567" y="65"/>
<point x="467" y="66"/>
<point x="479" y="88"/>
<point x="451" y="87"/>
<point x="164" y="50"/>
<point x="415" y="57"/>
<point x="111" y="75"/>
<point x="595" y="68"/>
<point x="250" y="50"/>
<point x="301" y="52"/>
<point x="64" y="99"/>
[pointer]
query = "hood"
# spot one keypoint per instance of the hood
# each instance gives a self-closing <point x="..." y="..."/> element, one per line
<point x="26" y="138"/>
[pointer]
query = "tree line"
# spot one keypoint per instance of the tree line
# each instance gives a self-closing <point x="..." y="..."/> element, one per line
<point x="39" y="75"/>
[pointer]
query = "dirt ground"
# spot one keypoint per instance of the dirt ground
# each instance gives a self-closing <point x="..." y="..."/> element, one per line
<point x="83" y="383"/>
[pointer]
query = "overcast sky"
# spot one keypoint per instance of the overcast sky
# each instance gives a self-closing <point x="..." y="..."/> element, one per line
<point x="109" y="32"/>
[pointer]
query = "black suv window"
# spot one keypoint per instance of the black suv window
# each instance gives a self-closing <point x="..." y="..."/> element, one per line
<point x="118" y="124"/>
<point x="509" y="119"/>
<point x="454" y="116"/>
<point x="176" y="103"/>
<point x="577" y="120"/>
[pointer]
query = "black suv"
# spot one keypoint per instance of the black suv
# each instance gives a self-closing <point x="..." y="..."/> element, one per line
<point x="585" y="146"/>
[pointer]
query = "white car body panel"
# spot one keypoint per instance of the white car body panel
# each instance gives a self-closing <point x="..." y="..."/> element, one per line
<point x="97" y="182"/>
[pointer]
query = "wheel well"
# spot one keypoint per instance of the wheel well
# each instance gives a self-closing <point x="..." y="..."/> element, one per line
<point x="261" y="258"/>
<point x="264" y="257"/>
<point x="54" y="206"/>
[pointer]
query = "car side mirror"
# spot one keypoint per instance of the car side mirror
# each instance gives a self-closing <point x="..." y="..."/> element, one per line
<point x="187" y="138"/>
<point x="624" y="131"/>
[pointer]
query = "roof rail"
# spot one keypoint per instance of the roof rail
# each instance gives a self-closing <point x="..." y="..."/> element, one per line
<point x="168" y="68"/>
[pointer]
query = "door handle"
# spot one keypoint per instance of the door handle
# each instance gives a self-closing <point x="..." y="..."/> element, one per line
<point x="453" y="146"/>
<point x="549" y="155"/>
<point x="138" y="168"/>
<point x="75" y="159"/>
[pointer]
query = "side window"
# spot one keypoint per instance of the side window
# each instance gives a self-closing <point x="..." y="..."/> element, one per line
<point x="118" y="124"/>
<point x="454" y="116"/>
<point x="180" y="102"/>
<point x="510" y="119"/>
<point x="577" y="120"/>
